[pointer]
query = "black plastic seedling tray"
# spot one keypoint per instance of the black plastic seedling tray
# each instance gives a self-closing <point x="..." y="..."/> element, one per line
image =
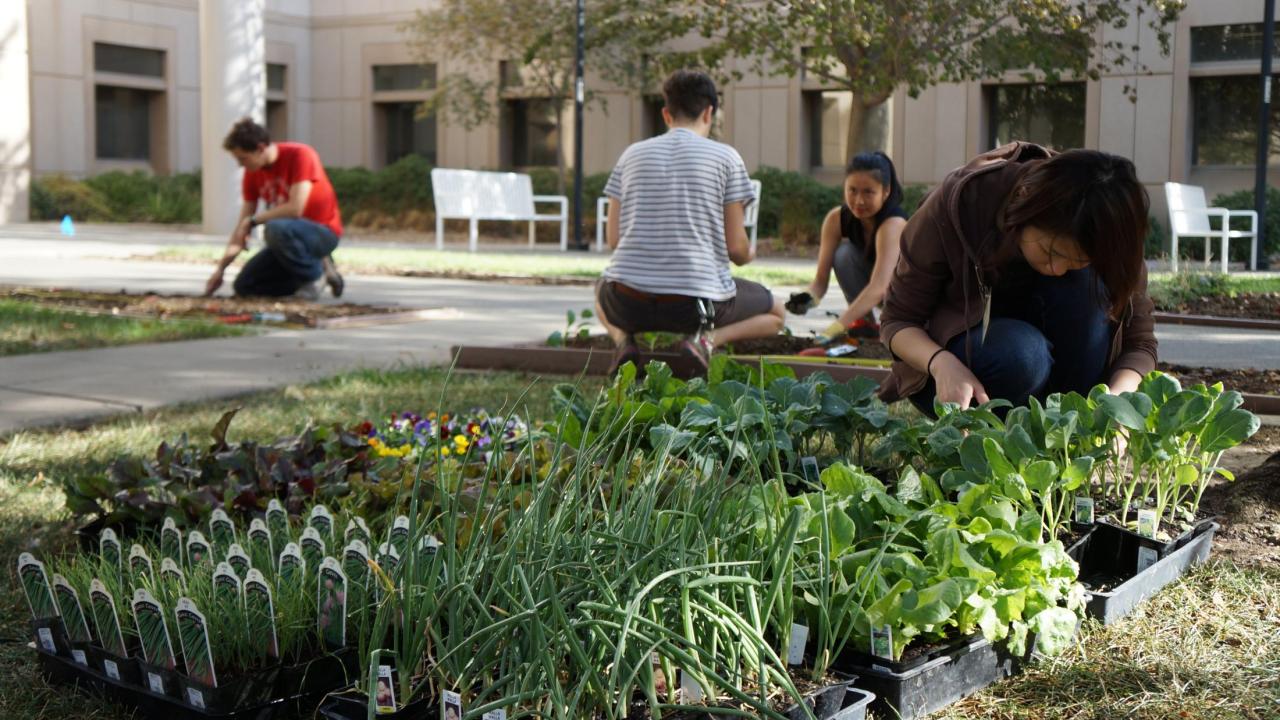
<point x="837" y="702"/>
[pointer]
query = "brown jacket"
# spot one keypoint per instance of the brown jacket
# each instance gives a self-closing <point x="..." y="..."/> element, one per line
<point x="940" y="278"/>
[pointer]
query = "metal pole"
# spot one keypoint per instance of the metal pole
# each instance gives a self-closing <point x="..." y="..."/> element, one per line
<point x="579" y="91"/>
<point x="1264" y="130"/>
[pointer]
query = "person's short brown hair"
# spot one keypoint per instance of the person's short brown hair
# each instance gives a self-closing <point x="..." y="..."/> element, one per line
<point x="688" y="93"/>
<point x="246" y="135"/>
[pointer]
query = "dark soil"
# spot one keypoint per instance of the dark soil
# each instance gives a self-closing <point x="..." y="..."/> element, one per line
<point x="1249" y="511"/>
<point x="229" y="310"/>
<point x="1249" y="380"/>
<point x="776" y="345"/>
<point x="1263" y="306"/>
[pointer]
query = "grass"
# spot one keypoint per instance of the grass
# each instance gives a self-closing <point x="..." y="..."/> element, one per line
<point x="27" y="327"/>
<point x="451" y="263"/>
<point x="1170" y="289"/>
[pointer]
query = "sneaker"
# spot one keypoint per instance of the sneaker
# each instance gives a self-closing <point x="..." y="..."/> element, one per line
<point x="627" y="352"/>
<point x="308" y="291"/>
<point x="697" y="348"/>
<point x="333" y="277"/>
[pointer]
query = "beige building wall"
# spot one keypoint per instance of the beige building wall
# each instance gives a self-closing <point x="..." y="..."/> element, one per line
<point x="15" y="123"/>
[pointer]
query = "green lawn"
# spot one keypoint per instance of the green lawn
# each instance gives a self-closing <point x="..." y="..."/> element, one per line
<point x="1168" y="288"/>
<point x="27" y="327"/>
<point x="452" y="263"/>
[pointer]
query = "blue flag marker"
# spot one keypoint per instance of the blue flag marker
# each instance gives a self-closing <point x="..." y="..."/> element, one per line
<point x="68" y="227"/>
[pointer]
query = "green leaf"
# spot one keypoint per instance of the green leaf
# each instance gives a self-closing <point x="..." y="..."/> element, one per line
<point x="1000" y="466"/>
<point x="1055" y="628"/>
<point x="1182" y="413"/>
<point x="932" y="605"/>
<point x="1120" y="411"/>
<point x="842" y="481"/>
<point x="1228" y="430"/>
<point x="1040" y="475"/>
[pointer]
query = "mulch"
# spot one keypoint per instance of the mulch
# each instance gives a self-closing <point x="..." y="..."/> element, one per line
<point x="1261" y="306"/>
<point x="1247" y="380"/>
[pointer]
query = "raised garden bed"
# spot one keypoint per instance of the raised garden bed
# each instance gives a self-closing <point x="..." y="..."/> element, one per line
<point x="279" y="312"/>
<point x="1260" y="306"/>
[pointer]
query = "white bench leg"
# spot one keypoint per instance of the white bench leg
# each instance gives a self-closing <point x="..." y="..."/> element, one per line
<point x="439" y="233"/>
<point x="532" y="237"/>
<point x="474" y="238"/>
<point x="1208" y="253"/>
<point x="564" y="234"/>
<point x="1253" y="253"/>
<point x="1173" y="252"/>
<point x="1224" y="254"/>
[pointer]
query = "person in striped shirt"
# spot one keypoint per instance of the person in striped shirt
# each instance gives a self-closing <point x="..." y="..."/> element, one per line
<point x="675" y="223"/>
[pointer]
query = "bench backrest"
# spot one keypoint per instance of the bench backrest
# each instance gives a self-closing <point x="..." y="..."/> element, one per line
<point x="479" y="194"/>
<point x="1186" y="208"/>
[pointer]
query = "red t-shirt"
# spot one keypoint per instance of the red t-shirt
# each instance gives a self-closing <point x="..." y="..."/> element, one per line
<point x="295" y="163"/>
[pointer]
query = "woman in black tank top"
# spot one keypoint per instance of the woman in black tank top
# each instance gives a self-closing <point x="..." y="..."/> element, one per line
<point x="859" y="241"/>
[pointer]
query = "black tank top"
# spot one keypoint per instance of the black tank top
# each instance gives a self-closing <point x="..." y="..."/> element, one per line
<point x="851" y="228"/>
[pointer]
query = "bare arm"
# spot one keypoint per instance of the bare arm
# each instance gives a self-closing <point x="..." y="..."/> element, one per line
<point x="236" y="244"/>
<point x="830" y="239"/>
<point x="886" y="259"/>
<point x="291" y="208"/>
<point x="735" y="235"/>
<point x="613" y="228"/>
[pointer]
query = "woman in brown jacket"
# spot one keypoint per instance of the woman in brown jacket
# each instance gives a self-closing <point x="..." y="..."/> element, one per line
<point x="1022" y="274"/>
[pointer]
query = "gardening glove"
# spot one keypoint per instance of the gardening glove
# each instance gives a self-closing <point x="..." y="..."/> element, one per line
<point x="835" y="332"/>
<point x="800" y="303"/>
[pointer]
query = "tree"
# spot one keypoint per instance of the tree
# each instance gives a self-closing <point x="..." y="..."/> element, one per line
<point x="539" y="37"/>
<point x="873" y="47"/>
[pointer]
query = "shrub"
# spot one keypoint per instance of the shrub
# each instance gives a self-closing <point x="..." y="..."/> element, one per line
<point x="54" y="196"/>
<point x="1243" y="200"/>
<point x="793" y="205"/>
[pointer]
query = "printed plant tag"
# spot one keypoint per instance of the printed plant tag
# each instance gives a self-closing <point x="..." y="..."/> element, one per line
<point x="103" y="607"/>
<point x="45" y="636"/>
<point x="355" y="563"/>
<point x="1084" y="510"/>
<point x="1147" y="557"/>
<point x="153" y="633"/>
<point x="450" y="706"/>
<point x="170" y="541"/>
<point x="1147" y="523"/>
<point x="195" y="698"/>
<point x="795" y="648"/>
<point x="690" y="687"/>
<point x="261" y="551"/>
<point x="110" y="550"/>
<point x="155" y="683"/>
<point x="35" y="583"/>
<point x="170" y="572"/>
<point x="226" y="586"/>
<point x="198" y="549"/>
<point x="332" y="601"/>
<point x="498" y="714"/>
<point x="260" y="613"/>
<point x="313" y="546"/>
<point x="293" y="567"/>
<point x="73" y="617"/>
<point x="322" y="520"/>
<point x="358" y="530"/>
<point x="277" y="522"/>
<point x="384" y="695"/>
<point x="140" y="565"/>
<point x="400" y="534"/>
<point x="79" y="657"/>
<point x="882" y="642"/>
<point x="193" y="631"/>
<point x="111" y="669"/>
<point x="388" y="558"/>
<point x="221" y="530"/>
<point x="238" y="559"/>
<point x="809" y="467"/>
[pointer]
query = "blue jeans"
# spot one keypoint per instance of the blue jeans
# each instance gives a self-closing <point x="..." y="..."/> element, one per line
<point x="292" y="258"/>
<point x="1055" y="339"/>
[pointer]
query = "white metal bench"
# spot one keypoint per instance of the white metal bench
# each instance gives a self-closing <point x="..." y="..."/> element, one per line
<point x="1189" y="217"/>
<point x="750" y="219"/>
<point x="477" y="195"/>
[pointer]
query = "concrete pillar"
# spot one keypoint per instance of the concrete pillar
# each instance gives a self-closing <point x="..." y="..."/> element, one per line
<point x="233" y="84"/>
<point x="15" y="121"/>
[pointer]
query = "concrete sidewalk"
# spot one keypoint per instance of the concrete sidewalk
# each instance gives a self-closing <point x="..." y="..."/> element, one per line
<point x="79" y="386"/>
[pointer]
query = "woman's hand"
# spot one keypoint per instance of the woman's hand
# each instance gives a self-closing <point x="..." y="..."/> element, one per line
<point x="955" y="382"/>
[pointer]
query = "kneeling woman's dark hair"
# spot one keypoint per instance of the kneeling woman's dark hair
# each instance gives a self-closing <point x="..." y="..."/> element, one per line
<point x="1095" y="199"/>
<point x="882" y="167"/>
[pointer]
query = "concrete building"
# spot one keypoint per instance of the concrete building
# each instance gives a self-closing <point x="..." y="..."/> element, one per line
<point x="116" y="84"/>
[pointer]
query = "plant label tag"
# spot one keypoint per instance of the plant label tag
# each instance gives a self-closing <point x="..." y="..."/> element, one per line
<point x="450" y="706"/>
<point x="322" y="520"/>
<point x="400" y="533"/>
<point x="690" y="688"/>
<point x="1084" y="510"/>
<point x="809" y="467"/>
<point x="111" y="669"/>
<point x="35" y="583"/>
<point x="156" y="683"/>
<point x="313" y="546"/>
<point x="1147" y="523"/>
<point x="226" y="585"/>
<point x="388" y="557"/>
<point x="655" y="659"/>
<point x="358" y="530"/>
<point x="140" y="564"/>
<point x="277" y="521"/>
<point x="170" y="540"/>
<point x="260" y="547"/>
<point x="195" y="698"/>
<point x="103" y="606"/>
<point x="46" y="639"/>
<point x="153" y="630"/>
<point x="221" y="530"/>
<point x="499" y="714"/>
<point x="260" y="613"/>
<point x="384" y="700"/>
<point x="882" y="642"/>
<point x="80" y="658"/>
<point x="72" y="611"/>
<point x="1147" y="557"/>
<point x="110" y="550"/>
<point x="198" y="549"/>
<point x="193" y="632"/>
<point x="355" y="563"/>
<point x="429" y="545"/>
<point x="332" y="602"/>
<point x="238" y="559"/>
<point x="293" y="567"/>
<point x="795" y="648"/>
<point x="170" y="572"/>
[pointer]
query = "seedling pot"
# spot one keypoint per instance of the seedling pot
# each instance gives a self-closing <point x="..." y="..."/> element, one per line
<point x="234" y="694"/>
<point x="122" y="670"/>
<point x="50" y="635"/>
<point x="319" y="675"/>
<point x="835" y="702"/>
<point x="158" y="680"/>
<point x="355" y="706"/>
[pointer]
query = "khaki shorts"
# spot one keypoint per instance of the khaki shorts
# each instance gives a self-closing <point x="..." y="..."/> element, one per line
<point x="634" y="311"/>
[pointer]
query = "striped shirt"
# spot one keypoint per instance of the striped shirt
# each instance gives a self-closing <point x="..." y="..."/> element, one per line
<point x="673" y="189"/>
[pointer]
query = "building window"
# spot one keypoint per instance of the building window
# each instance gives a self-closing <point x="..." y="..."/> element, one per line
<point x="829" y="113"/>
<point x="391" y="78"/>
<point x="276" y="77"/>
<point x="535" y="139"/>
<point x="653" y="123"/>
<point x="123" y="119"/>
<point x="510" y="74"/>
<point x="1047" y="114"/>
<point x="1219" y="43"/>
<point x="404" y="133"/>
<point x="277" y="101"/>
<point x="128" y="60"/>
<point x="1224" y="117"/>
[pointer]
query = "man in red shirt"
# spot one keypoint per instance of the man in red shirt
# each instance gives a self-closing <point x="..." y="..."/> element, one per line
<point x="301" y="218"/>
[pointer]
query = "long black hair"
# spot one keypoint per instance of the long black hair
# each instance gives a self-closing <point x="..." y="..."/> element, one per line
<point x="879" y="164"/>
